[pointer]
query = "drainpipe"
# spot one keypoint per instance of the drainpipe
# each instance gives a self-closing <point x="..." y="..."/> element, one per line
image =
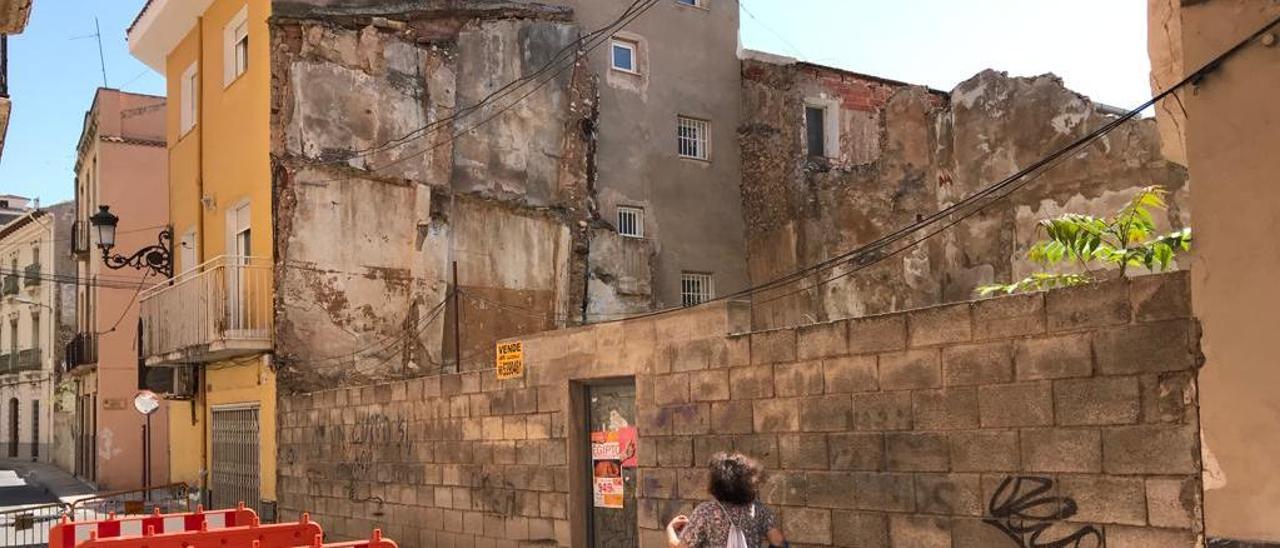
<point x="200" y="247"/>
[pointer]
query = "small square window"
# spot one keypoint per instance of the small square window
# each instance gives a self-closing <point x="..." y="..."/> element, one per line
<point x="624" y="55"/>
<point x="695" y="288"/>
<point x="815" y="121"/>
<point x="630" y="222"/>
<point x="692" y="138"/>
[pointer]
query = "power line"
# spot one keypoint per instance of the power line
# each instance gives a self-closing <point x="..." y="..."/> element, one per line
<point x="512" y="86"/>
<point x="452" y="137"/>
<point x="780" y="37"/>
<point x="978" y="200"/>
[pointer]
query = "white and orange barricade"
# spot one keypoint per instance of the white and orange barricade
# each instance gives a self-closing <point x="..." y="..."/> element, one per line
<point x="67" y="534"/>
<point x="375" y="541"/>
<point x="275" y="535"/>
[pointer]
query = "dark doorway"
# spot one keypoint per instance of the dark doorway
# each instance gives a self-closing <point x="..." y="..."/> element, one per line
<point x="13" y="427"/>
<point x="611" y="438"/>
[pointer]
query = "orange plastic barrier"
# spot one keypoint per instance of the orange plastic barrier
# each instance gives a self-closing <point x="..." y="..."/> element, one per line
<point x="282" y="535"/>
<point x="375" y="541"/>
<point x="67" y="534"/>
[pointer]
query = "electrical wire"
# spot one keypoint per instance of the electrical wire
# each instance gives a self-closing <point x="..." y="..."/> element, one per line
<point x="389" y="342"/>
<point x="978" y="201"/>
<point x="506" y="108"/>
<point x="515" y="84"/>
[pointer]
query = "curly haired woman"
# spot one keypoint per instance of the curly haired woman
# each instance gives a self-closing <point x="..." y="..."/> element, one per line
<point x="734" y="479"/>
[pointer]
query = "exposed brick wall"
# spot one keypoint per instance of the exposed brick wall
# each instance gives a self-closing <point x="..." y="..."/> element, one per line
<point x="892" y="430"/>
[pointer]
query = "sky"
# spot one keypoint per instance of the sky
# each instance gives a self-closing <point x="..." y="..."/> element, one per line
<point x="1097" y="46"/>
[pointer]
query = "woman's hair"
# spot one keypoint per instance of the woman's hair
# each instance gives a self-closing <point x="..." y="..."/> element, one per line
<point x="733" y="478"/>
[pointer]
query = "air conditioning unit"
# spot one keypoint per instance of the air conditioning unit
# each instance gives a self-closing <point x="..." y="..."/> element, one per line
<point x="176" y="382"/>
<point x="185" y="382"/>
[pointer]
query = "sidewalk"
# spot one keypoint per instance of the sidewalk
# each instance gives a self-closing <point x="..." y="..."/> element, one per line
<point x="25" y="483"/>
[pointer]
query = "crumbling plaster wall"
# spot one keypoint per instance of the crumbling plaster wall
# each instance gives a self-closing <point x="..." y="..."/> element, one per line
<point x="928" y="150"/>
<point x="367" y="231"/>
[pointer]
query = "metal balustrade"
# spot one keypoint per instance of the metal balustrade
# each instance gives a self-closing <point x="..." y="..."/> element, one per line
<point x="217" y="310"/>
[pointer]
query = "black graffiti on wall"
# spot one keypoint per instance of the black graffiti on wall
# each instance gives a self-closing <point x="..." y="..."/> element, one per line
<point x="1024" y="510"/>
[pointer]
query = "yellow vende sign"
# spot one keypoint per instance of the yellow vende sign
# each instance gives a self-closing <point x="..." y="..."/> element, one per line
<point x="510" y="362"/>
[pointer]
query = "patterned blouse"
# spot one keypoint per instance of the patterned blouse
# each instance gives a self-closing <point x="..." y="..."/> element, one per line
<point x="709" y="525"/>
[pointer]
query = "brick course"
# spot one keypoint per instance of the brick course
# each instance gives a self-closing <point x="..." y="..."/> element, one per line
<point x="893" y="430"/>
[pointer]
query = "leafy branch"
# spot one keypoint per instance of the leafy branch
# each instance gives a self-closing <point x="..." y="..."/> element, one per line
<point x="1126" y="239"/>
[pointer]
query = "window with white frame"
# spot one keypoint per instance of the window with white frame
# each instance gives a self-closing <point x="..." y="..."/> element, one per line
<point x="631" y="222"/>
<point x="695" y="288"/>
<point x="693" y="138"/>
<point x="188" y="99"/>
<point x="822" y="127"/>
<point x="623" y="55"/>
<point x="235" y="47"/>
<point x="693" y="3"/>
<point x="815" y="130"/>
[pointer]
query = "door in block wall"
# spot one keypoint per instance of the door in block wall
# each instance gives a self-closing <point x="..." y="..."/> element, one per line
<point x="611" y="419"/>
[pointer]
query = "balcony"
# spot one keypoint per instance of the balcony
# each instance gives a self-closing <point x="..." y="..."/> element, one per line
<point x="31" y="275"/>
<point x="82" y="350"/>
<point x="20" y="360"/>
<point x="10" y="285"/>
<point x="221" y="309"/>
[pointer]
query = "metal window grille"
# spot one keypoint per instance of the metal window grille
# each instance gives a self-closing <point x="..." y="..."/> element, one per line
<point x="235" y="457"/>
<point x="692" y="137"/>
<point x="695" y="288"/>
<point x="631" y="222"/>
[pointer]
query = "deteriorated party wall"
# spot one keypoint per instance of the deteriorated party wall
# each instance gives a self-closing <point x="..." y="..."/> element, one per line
<point x="897" y="153"/>
<point x="382" y="185"/>
<point x="1072" y="411"/>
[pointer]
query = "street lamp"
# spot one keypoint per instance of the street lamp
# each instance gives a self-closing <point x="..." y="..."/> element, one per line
<point x="158" y="258"/>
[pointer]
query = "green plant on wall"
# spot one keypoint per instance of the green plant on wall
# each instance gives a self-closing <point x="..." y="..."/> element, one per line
<point x="1126" y="239"/>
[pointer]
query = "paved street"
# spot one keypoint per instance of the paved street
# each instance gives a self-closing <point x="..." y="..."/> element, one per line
<point x="28" y="483"/>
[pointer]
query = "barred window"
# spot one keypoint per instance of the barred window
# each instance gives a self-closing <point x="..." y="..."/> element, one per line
<point x="631" y="221"/>
<point x="692" y="137"/>
<point x="695" y="288"/>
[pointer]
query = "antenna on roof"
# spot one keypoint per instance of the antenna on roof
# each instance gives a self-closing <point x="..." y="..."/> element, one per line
<point x="102" y="59"/>
<point x="97" y="33"/>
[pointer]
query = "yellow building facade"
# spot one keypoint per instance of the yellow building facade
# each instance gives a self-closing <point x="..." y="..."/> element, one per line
<point x="212" y="323"/>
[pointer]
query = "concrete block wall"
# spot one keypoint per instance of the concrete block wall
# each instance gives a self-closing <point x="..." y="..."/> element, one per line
<point x="932" y="427"/>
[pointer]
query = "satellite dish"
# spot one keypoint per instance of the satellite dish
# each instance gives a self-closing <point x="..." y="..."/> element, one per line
<point x="146" y="402"/>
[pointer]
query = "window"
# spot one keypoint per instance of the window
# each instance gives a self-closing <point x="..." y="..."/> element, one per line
<point x="630" y="222"/>
<point x="35" y="330"/>
<point x="692" y="136"/>
<point x="695" y="288"/>
<point x="693" y="3"/>
<point x="187" y="251"/>
<point x="189" y="100"/>
<point x="815" y="120"/>
<point x="235" y="47"/>
<point x="624" y="55"/>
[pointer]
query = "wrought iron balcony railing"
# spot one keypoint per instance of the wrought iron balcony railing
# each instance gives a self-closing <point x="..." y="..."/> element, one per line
<point x="82" y="350"/>
<point x="31" y="275"/>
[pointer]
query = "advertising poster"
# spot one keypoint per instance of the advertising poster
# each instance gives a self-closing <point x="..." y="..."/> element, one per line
<point x="611" y="451"/>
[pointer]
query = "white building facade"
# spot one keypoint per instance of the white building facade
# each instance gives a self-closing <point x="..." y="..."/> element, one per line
<point x="34" y="263"/>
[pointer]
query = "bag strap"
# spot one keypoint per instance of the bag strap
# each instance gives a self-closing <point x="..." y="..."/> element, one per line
<point x="727" y="515"/>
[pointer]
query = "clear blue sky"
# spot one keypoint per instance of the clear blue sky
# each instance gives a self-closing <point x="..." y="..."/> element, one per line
<point x="1097" y="46"/>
